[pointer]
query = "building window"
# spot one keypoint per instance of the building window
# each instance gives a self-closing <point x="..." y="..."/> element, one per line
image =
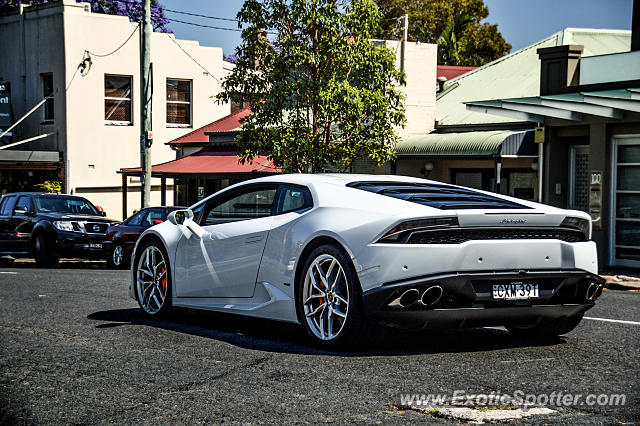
<point x="178" y="102"/>
<point x="117" y="99"/>
<point x="47" y="93"/>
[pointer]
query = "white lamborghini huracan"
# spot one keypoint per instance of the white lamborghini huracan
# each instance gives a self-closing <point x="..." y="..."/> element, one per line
<point x="339" y="252"/>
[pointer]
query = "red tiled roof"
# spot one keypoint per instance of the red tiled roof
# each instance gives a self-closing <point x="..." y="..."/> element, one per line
<point x="225" y="124"/>
<point x="451" y="71"/>
<point x="206" y="162"/>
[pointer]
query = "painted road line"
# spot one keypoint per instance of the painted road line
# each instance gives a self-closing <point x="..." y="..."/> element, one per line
<point x="8" y="273"/>
<point x="613" y="320"/>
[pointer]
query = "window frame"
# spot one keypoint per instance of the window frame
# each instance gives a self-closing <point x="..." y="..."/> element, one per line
<point x="281" y="189"/>
<point x="8" y="199"/>
<point x="114" y="98"/>
<point x="30" y="207"/>
<point x="49" y="99"/>
<point x="190" y="103"/>
<point x="142" y="213"/>
<point x="236" y="192"/>
<point x="161" y="210"/>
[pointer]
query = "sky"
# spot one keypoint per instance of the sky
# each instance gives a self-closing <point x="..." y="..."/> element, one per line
<point x="521" y="22"/>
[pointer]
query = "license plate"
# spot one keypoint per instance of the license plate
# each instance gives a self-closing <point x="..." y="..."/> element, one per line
<point x="95" y="245"/>
<point x="515" y="291"/>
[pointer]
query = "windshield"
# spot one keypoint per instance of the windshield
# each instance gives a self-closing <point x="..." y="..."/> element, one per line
<point x="62" y="204"/>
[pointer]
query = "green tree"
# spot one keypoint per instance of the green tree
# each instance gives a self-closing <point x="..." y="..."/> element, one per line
<point x="450" y="42"/>
<point x="476" y="43"/>
<point x="321" y="92"/>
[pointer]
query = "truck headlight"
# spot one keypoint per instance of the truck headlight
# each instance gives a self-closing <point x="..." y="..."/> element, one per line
<point x="64" y="225"/>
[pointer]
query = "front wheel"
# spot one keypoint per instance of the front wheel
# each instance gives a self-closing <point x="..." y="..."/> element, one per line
<point x="42" y="252"/>
<point x="328" y="299"/>
<point x="153" y="279"/>
<point x="550" y="329"/>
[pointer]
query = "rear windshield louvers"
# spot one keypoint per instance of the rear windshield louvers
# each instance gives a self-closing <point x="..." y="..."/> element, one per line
<point x="440" y="196"/>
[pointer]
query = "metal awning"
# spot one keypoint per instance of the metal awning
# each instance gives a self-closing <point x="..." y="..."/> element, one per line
<point x="609" y="104"/>
<point x="488" y="144"/>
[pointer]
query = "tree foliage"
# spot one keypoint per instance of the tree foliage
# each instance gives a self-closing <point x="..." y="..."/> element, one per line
<point x="321" y="92"/>
<point x="476" y="44"/>
<point x="130" y="8"/>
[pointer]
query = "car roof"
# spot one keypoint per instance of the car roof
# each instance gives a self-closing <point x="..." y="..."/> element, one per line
<point x="335" y="178"/>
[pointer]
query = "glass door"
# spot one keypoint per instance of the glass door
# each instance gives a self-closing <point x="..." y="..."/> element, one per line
<point x="625" y="230"/>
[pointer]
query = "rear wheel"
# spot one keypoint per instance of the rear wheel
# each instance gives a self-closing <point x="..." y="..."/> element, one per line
<point x="328" y="299"/>
<point x="117" y="259"/>
<point x="153" y="279"/>
<point x="550" y="329"/>
<point x="42" y="252"/>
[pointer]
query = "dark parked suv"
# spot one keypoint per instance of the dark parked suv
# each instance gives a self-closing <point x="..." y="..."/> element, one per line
<point x="51" y="226"/>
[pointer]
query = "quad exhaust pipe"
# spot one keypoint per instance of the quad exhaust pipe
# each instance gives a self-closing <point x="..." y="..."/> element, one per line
<point x="593" y="292"/>
<point x="409" y="298"/>
<point x="431" y="296"/>
<point x="412" y="296"/>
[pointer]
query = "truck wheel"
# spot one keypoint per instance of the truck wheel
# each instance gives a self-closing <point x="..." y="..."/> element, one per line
<point x="42" y="252"/>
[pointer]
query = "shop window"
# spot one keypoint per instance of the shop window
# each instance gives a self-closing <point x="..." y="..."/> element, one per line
<point x="178" y="102"/>
<point x="47" y="93"/>
<point x="117" y="99"/>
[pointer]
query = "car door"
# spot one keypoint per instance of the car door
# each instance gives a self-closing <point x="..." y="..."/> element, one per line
<point x="22" y="223"/>
<point x="6" y="207"/>
<point x="225" y="261"/>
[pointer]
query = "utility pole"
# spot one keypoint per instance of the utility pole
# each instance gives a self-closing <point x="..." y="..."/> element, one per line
<point x="405" y="34"/>
<point x="145" y="107"/>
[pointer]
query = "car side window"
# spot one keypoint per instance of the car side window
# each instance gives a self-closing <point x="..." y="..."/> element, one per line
<point x="154" y="214"/>
<point x="24" y="204"/>
<point x="136" y="219"/>
<point x="5" y="207"/>
<point x="247" y="205"/>
<point x="293" y="198"/>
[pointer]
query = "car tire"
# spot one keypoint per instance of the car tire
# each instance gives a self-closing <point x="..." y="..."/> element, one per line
<point x="550" y="329"/>
<point x="117" y="258"/>
<point x="353" y="328"/>
<point x="42" y="252"/>
<point x="152" y="274"/>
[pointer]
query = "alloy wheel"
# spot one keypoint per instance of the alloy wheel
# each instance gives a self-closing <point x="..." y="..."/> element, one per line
<point x="118" y="255"/>
<point x="325" y="297"/>
<point x="151" y="280"/>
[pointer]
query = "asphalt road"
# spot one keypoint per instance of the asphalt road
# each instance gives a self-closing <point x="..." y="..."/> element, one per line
<point x="75" y="349"/>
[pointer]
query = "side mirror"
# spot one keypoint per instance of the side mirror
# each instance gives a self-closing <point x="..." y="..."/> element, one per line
<point x="103" y="213"/>
<point x="32" y="213"/>
<point x="178" y="217"/>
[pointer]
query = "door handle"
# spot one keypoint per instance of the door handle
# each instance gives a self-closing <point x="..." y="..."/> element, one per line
<point x="253" y="239"/>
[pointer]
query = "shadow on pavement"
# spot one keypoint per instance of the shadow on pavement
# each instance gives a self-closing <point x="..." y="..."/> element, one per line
<point x="276" y="336"/>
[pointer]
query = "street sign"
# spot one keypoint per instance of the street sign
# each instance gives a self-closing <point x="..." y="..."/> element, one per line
<point x="5" y="105"/>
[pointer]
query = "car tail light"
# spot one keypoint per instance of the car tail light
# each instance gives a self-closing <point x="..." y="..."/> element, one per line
<point x="401" y="232"/>
<point x="578" y="223"/>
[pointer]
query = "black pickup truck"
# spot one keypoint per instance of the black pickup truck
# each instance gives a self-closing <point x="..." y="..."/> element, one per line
<point x="50" y="226"/>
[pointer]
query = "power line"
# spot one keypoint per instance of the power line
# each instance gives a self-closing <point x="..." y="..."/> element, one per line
<point x="206" y="26"/>
<point x="118" y="48"/>
<point x="201" y="16"/>
<point x="192" y="58"/>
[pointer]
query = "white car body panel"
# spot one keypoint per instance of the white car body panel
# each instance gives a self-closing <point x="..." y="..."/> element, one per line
<point x="248" y="267"/>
